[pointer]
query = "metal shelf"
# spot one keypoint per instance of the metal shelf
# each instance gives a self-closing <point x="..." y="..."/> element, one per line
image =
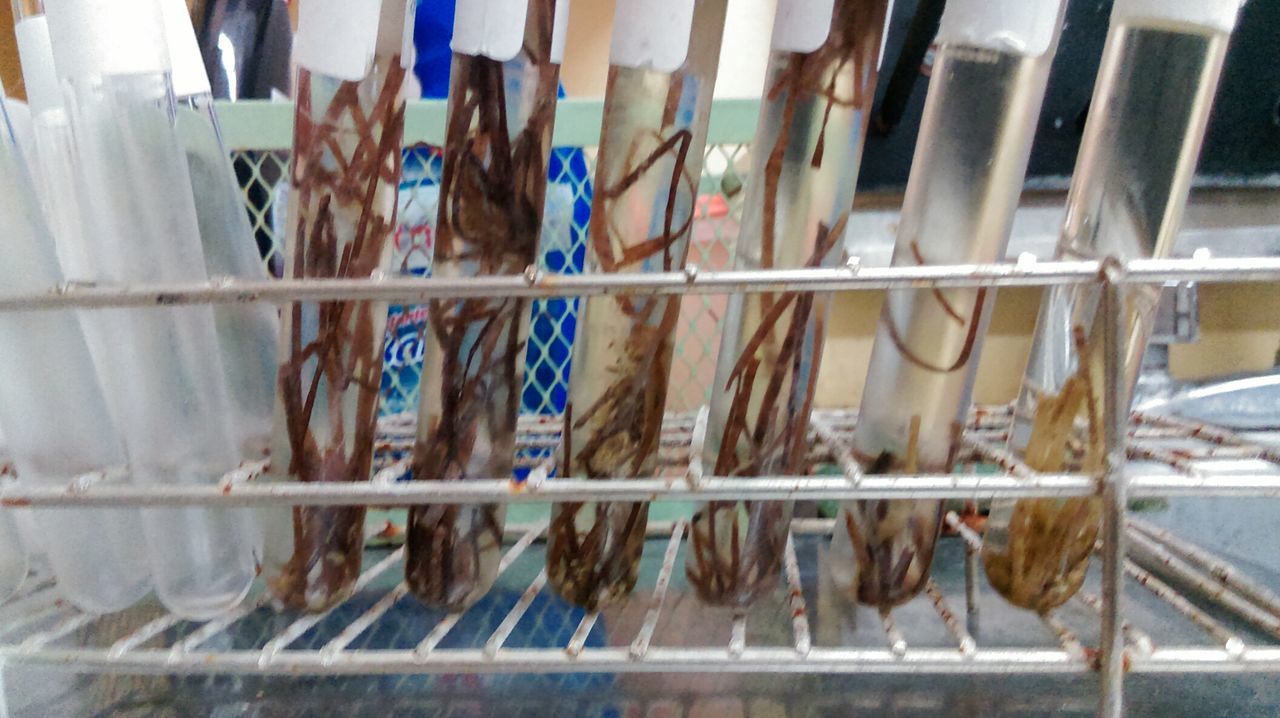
<point x="37" y="628"/>
<point x="1148" y="456"/>
<point x="37" y="625"/>
<point x="537" y="284"/>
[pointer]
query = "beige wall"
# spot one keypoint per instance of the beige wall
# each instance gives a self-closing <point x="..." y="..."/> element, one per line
<point x="10" y="71"/>
<point x="1239" y="332"/>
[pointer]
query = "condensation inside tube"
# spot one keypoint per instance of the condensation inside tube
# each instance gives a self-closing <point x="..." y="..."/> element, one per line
<point x="1023" y="27"/>
<point x="1214" y="14"/>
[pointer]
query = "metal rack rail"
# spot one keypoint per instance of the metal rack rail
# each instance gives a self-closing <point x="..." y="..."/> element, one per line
<point x="1150" y="456"/>
<point x="35" y="627"/>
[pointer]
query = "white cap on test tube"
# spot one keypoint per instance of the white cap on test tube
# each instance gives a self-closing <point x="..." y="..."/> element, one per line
<point x="189" y="76"/>
<point x="340" y="38"/>
<point x="38" y="71"/>
<point x="651" y="34"/>
<point x="495" y="28"/>
<point x="106" y="37"/>
<point x="1212" y="14"/>
<point x="1024" y="27"/>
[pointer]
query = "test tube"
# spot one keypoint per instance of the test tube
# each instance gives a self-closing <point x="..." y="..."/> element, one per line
<point x="1151" y="105"/>
<point x="819" y="88"/>
<point x="344" y="174"/>
<point x="51" y="158"/>
<point x="979" y="120"/>
<point x="162" y="376"/>
<point x="55" y="418"/>
<point x="662" y="72"/>
<point x="502" y="101"/>
<point x="247" y="332"/>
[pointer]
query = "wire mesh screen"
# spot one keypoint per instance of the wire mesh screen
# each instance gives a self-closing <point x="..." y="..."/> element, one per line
<point x="263" y="178"/>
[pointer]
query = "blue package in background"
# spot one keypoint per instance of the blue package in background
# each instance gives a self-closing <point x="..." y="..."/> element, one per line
<point x="563" y="245"/>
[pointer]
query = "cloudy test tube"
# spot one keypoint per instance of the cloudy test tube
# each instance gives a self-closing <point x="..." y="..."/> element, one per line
<point x="344" y="176"/>
<point x="164" y="380"/>
<point x="51" y="154"/>
<point x="15" y="559"/>
<point x="979" y="120"/>
<point x="662" y="71"/>
<point x="56" y="423"/>
<point x="818" y="92"/>
<point x="502" y="102"/>
<point x="248" y="333"/>
<point x="1151" y="105"/>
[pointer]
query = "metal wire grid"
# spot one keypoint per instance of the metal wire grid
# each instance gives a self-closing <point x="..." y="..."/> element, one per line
<point x="1120" y="647"/>
<point x="37" y="628"/>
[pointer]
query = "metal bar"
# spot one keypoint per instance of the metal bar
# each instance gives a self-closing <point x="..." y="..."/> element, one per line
<point x="144" y="633"/>
<point x="972" y="608"/>
<point x="508" y="491"/>
<point x="1152" y="557"/>
<point x="897" y="642"/>
<point x="839" y="449"/>
<point x="1237" y="485"/>
<point x="17" y="611"/>
<point x="1207" y="432"/>
<point x="999" y="456"/>
<point x="579" y="638"/>
<point x="294" y="630"/>
<point x="640" y="645"/>
<point x="216" y="626"/>
<point x="533" y="285"/>
<point x="697" y="441"/>
<point x="596" y="660"/>
<point x="32" y="618"/>
<point x="1201" y="660"/>
<point x="1114" y="497"/>
<point x="972" y="547"/>
<point x="954" y="627"/>
<point x="795" y="597"/>
<point x="1138" y="639"/>
<point x="738" y="634"/>
<point x="1231" y="643"/>
<point x="1221" y="570"/>
<point x="64" y="627"/>
<point x="1143" y="452"/>
<point x="1066" y="637"/>
<point x="447" y="623"/>
<point x="536" y="284"/>
<point x="362" y="622"/>
<point x="509" y="622"/>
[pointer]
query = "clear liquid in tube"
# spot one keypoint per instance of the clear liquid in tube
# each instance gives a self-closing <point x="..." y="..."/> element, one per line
<point x="165" y="386"/>
<point x="1136" y="163"/>
<point x="342" y="217"/>
<point x="971" y="158"/>
<point x="248" y="333"/>
<point x="648" y="168"/>
<point x="805" y="162"/>
<point x="498" y="142"/>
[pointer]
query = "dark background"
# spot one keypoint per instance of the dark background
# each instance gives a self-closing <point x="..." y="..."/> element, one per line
<point x="1242" y="147"/>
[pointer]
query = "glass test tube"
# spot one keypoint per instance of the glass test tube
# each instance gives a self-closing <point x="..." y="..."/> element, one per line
<point x="56" y="422"/>
<point x="1155" y="90"/>
<point x="502" y="101"/>
<point x="247" y="332"/>
<point x="344" y="175"/>
<point x="52" y="158"/>
<point x="164" y="384"/>
<point x="661" y="76"/>
<point x="975" y="140"/>
<point x="818" y="92"/>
